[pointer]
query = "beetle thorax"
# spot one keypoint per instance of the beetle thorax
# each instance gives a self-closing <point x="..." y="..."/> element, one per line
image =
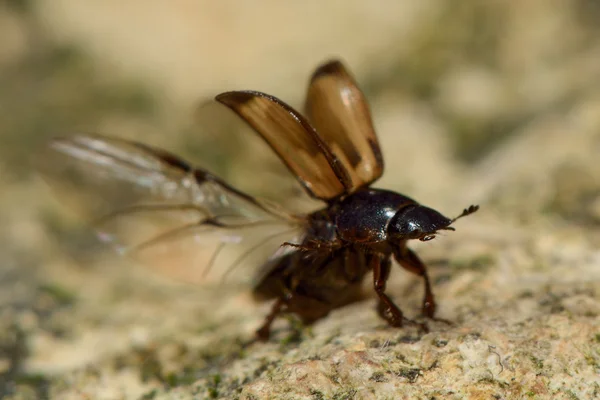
<point x="363" y="216"/>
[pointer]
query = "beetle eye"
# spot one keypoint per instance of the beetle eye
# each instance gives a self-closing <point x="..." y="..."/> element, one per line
<point x="427" y="238"/>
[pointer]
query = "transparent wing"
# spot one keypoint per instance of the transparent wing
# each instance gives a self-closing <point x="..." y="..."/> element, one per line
<point x="295" y="141"/>
<point x="340" y="113"/>
<point x="150" y="204"/>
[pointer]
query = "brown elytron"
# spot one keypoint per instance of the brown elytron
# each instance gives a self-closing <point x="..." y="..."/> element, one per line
<point x="335" y="155"/>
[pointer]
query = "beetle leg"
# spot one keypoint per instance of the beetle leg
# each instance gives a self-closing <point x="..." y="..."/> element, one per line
<point x="387" y="309"/>
<point x="264" y="331"/>
<point x="411" y="262"/>
<point x="313" y="244"/>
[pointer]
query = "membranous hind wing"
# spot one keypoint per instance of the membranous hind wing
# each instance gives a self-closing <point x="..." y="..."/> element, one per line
<point x="157" y="207"/>
<point x="338" y="110"/>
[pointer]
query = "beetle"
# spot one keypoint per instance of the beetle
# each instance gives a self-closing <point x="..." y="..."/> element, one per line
<point x="333" y="152"/>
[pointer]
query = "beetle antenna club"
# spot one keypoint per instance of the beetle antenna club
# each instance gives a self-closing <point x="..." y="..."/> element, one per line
<point x="467" y="211"/>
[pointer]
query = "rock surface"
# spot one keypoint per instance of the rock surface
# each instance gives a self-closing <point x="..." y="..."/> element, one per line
<point x="495" y="104"/>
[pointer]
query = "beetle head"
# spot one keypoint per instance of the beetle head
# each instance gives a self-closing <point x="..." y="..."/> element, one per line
<point x="420" y="222"/>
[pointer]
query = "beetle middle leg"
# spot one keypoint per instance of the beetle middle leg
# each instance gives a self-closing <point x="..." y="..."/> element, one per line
<point x="387" y="309"/>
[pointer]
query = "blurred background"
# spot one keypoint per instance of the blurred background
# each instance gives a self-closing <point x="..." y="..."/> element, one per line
<point x="493" y="102"/>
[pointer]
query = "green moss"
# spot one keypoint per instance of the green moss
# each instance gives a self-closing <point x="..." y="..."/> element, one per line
<point x="378" y="376"/>
<point x="317" y="395"/>
<point x="493" y="381"/>
<point x="526" y="294"/>
<point x="538" y="363"/>
<point x="295" y="335"/>
<point x="345" y="394"/>
<point x="213" y="386"/>
<point x="32" y="379"/>
<point x="150" y="395"/>
<point x="335" y="379"/>
<point x="265" y="366"/>
<point x="39" y="383"/>
<point x="14" y="351"/>
<point x="571" y="395"/>
<point x="61" y="295"/>
<point x="592" y="360"/>
<point x="411" y="374"/>
<point x="186" y="377"/>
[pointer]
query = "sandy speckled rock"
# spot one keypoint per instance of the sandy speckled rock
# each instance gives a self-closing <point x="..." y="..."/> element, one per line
<point x="493" y="103"/>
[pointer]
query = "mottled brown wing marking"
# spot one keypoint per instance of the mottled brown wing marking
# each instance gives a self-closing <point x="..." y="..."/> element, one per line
<point x="340" y="113"/>
<point x="296" y="142"/>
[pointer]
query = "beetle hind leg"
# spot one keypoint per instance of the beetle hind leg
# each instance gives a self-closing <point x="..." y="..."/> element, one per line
<point x="264" y="331"/>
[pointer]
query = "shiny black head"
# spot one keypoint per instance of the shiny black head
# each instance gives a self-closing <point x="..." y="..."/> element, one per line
<point x="420" y="222"/>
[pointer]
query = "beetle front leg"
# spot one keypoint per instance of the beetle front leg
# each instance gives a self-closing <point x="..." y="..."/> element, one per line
<point x="411" y="262"/>
<point x="387" y="309"/>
